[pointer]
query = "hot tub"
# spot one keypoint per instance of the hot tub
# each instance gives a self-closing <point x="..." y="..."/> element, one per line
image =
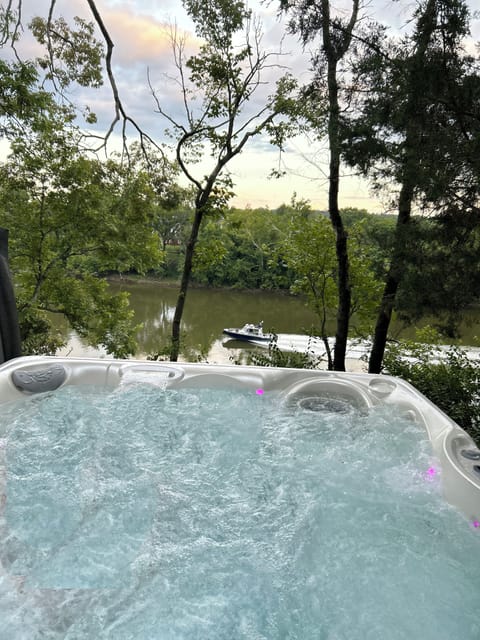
<point x="157" y="500"/>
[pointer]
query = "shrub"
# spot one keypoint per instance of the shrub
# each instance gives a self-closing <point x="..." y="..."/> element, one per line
<point x="274" y="357"/>
<point x="447" y="376"/>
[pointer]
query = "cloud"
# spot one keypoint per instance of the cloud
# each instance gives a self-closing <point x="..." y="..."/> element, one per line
<point x="143" y="42"/>
<point x="138" y="38"/>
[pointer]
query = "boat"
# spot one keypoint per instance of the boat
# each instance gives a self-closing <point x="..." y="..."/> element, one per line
<point x="250" y="332"/>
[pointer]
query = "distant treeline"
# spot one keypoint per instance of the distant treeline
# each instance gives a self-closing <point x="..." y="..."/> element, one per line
<point x="243" y="249"/>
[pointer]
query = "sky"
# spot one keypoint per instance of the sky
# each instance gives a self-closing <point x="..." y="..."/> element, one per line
<point x="141" y="30"/>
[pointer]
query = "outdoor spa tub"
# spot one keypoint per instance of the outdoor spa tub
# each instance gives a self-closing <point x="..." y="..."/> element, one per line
<point x="147" y="500"/>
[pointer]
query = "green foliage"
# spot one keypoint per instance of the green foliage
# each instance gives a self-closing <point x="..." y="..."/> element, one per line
<point x="73" y="54"/>
<point x="308" y="249"/>
<point x="69" y="215"/>
<point x="68" y="54"/>
<point x="190" y="353"/>
<point x="274" y="357"/>
<point x="21" y="99"/>
<point x="376" y="233"/>
<point x="418" y="122"/>
<point x="447" y="377"/>
<point x="366" y="286"/>
<point x="218" y="20"/>
<point x="37" y="333"/>
<point x="237" y="249"/>
<point x="445" y="254"/>
<point x="171" y="225"/>
<point x="171" y="268"/>
<point x="99" y="317"/>
<point x="210" y="253"/>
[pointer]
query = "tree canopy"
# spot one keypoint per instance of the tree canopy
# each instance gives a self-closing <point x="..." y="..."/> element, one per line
<point x="418" y="125"/>
<point x="71" y="217"/>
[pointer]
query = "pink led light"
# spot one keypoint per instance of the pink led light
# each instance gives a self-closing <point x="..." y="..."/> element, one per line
<point x="259" y="392"/>
<point x="430" y="473"/>
<point x="476" y="524"/>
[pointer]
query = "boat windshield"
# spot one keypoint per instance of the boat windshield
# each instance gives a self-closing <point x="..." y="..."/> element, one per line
<point x="254" y="329"/>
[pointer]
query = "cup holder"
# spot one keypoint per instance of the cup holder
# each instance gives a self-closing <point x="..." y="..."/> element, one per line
<point x="382" y="387"/>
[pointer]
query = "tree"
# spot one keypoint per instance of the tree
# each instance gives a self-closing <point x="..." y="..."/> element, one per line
<point x="311" y="20"/>
<point x="236" y="250"/>
<point x="68" y="56"/>
<point x="217" y="86"/>
<point x="68" y="214"/>
<point x="442" y="272"/>
<point x="308" y="249"/>
<point x="170" y="221"/>
<point x="422" y="100"/>
<point x="48" y="180"/>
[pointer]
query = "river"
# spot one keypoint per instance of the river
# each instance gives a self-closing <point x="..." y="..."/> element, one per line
<point x="208" y="312"/>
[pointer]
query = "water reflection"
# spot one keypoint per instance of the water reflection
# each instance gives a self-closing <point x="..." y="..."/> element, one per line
<point x="207" y="313"/>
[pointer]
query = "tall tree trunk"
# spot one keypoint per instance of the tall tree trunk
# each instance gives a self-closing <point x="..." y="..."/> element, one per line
<point x="392" y="281"/>
<point x="334" y="50"/>
<point x="344" y="294"/>
<point x="182" y="294"/>
<point x="413" y="140"/>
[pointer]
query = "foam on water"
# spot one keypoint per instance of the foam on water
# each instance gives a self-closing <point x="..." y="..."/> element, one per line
<point x="219" y="514"/>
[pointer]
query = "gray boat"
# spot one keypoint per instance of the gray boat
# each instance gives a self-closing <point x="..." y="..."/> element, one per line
<point x="249" y="332"/>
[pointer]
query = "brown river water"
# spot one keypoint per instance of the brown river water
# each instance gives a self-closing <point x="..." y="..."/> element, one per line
<point x="209" y="311"/>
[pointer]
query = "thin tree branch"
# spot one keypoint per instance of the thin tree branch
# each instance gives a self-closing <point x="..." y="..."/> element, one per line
<point x="120" y="112"/>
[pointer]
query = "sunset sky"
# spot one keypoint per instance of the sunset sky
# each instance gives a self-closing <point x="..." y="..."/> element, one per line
<point x="140" y="30"/>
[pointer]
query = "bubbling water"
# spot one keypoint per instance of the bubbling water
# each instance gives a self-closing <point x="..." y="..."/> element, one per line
<point x="146" y="513"/>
